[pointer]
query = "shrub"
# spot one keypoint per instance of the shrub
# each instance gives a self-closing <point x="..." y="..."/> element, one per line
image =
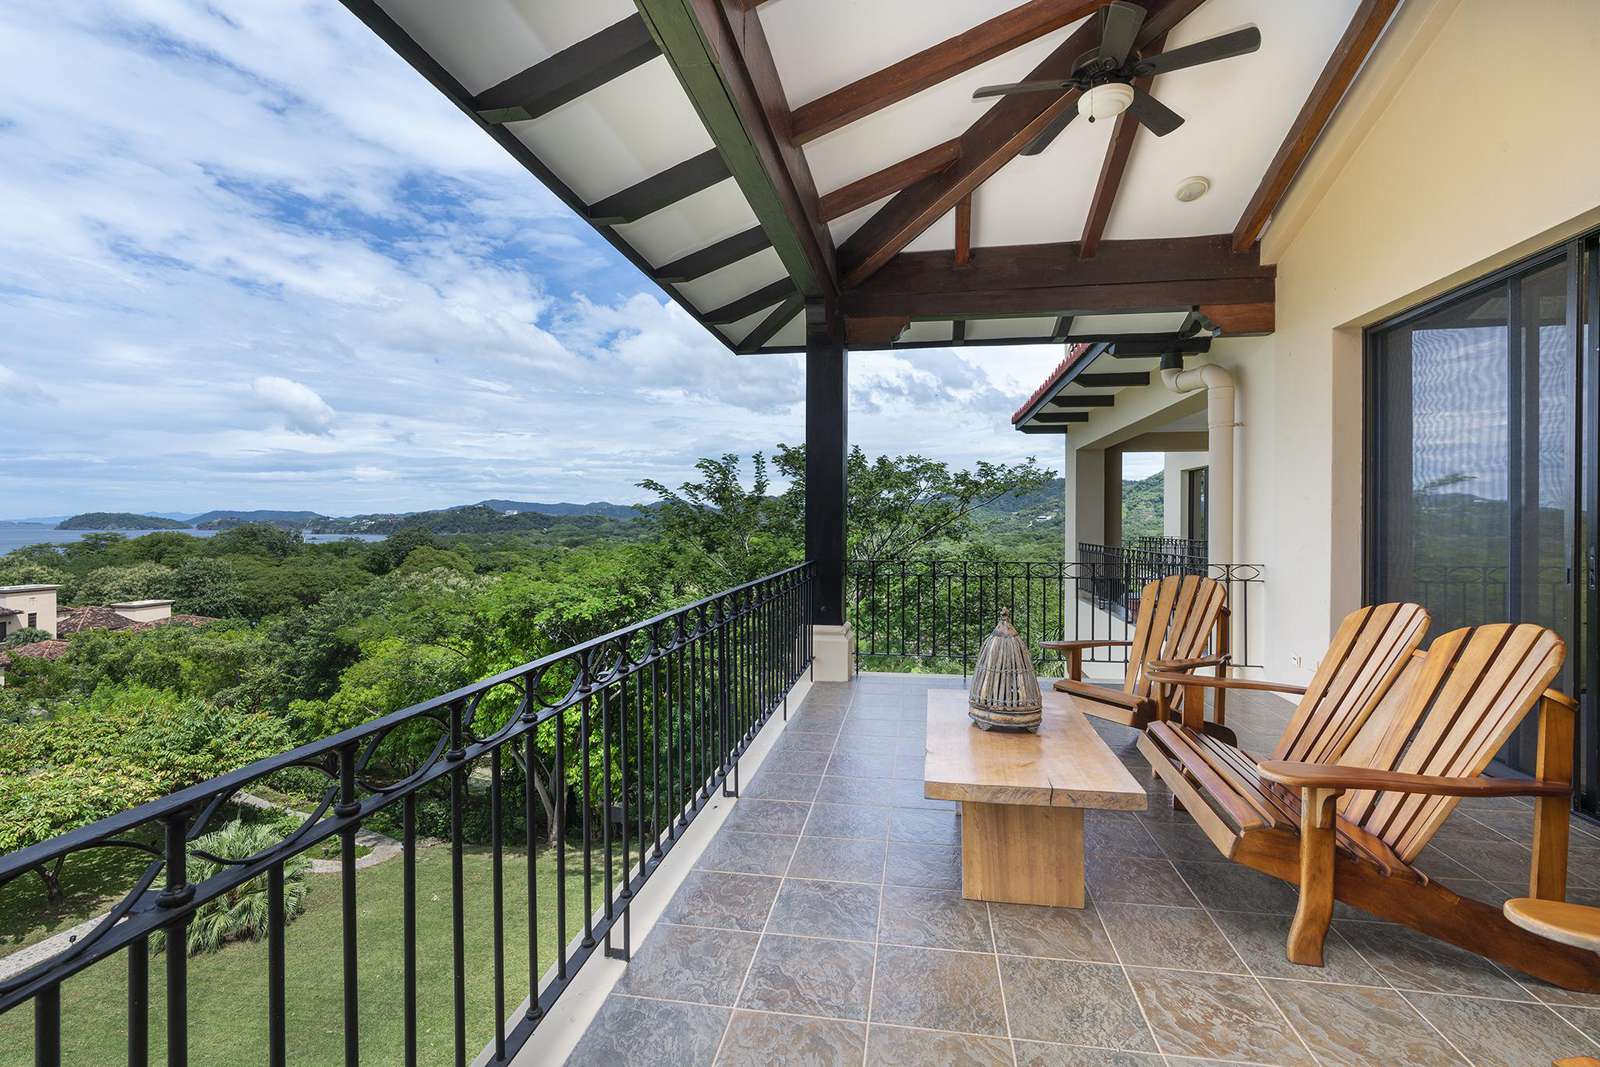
<point x="241" y="914"/>
<point x="26" y="636"/>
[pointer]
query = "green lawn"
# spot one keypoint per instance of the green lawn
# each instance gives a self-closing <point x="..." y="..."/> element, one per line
<point x="228" y="991"/>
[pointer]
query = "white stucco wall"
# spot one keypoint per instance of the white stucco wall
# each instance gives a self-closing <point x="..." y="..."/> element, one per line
<point x="1173" y="466"/>
<point x="1431" y="175"/>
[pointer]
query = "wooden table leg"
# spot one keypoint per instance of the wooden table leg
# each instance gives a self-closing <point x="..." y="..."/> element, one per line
<point x="1022" y="854"/>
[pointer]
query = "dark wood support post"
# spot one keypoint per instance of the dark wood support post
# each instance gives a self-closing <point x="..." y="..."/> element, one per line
<point x="827" y="444"/>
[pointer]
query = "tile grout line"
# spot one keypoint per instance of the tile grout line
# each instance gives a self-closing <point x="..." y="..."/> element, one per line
<point x="762" y="936"/>
<point x="1127" y="978"/>
<point x="1298" y="1036"/>
<point x="1005" y="1010"/>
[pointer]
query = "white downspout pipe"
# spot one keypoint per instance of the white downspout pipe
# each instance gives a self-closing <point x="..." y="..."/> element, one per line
<point x="1220" y="422"/>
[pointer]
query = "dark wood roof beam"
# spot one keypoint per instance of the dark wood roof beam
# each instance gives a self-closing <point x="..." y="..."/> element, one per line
<point x="1112" y="379"/>
<point x="719" y="53"/>
<point x="1083" y="400"/>
<point x="1150" y="345"/>
<point x="1366" y="25"/>
<point x="935" y="64"/>
<point x="661" y="190"/>
<point x="724" y="253"/>
<point x="1058" y="418"/>
<point x="991" y="142"/>
<point x="569" y="73"/>
<point x="1063" y="328"/>
<point x="1036" y="428"/>
<point x="751" y="303"/>
<point x="963" y="253"/>
<point x="889" y="180"/>
<point x="958" y="332"/>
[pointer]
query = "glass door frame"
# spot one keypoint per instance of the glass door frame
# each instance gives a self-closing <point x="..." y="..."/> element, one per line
<point x="1582" y="257"/>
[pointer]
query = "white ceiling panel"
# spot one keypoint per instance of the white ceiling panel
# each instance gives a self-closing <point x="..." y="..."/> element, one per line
<point x="1237" y="110"/>
<point x="938" y="330"/>
<point x="484" y="42"/>
<point x="691" y="224"/>
<point x="631" y="128"/>
<point x="994" y="329"/>
<point x="1099" y="325"/>
<point x="735" y="280"/>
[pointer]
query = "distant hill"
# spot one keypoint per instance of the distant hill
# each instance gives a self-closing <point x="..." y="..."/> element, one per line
<point x="119" y="520"/>
<point x="472" y="518"/>
<point x="598" y="507"/>
<point x="1142" y="507"/>
<point x="221" y="520"/>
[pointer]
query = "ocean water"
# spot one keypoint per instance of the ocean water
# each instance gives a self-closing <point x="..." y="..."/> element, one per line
<point x="13" y="537"/>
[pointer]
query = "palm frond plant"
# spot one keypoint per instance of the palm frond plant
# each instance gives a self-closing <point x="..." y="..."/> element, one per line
<point x="241" y="914"/>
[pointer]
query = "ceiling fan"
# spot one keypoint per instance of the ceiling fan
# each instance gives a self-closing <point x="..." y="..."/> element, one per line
<point x="1104" y="74"/>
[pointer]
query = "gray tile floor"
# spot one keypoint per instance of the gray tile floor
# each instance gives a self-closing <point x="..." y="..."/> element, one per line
<point x="825" y="925"/>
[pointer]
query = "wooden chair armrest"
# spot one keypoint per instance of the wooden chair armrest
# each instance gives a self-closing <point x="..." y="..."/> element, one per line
<point x="1332" y="776"/>
<point x="1066" y="646"/>
<point x="1225" y="683"/>
<point x="1170" y="665"/>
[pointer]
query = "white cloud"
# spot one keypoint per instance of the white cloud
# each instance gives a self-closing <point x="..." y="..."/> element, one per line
<point x="302" y="409"/>
<point x="278" y="202"/>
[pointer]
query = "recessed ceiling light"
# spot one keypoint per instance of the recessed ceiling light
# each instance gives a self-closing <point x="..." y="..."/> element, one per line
<point x="1192" y="188"/>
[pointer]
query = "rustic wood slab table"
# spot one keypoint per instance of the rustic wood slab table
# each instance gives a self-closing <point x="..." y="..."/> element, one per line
<point x="1022" y="797"/>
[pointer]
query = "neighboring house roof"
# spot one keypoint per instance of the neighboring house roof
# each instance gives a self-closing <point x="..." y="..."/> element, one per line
<point x="78" y="620"/>
<point x="9" y="611"/>
<point x="52" y="649"/>
<point x="181" y="620"/>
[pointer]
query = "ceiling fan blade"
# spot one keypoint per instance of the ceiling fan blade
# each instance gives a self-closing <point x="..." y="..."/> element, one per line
<point x="1044" y="137"/>
<point x="1119" y="30"/>
<point x="1227" y="45"/>
<point x="1021" y="87"/>
<point x="1157" y="117"/>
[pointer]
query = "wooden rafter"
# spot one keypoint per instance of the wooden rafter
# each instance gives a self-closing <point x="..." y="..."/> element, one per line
<point x="1051" y="279"/>
<point x="933" y="65"/>
<point x="715" y="256"/>
<point x="569" y="73"/>
<point x="768" y="327"/>
<point x="1083" y="400"/>
<point x="660" y="190"/>
<point x="1112" y="379"/>
<point x="1351" y="52"/>
<point x="1063" y="328"/>
<point x="986" y="146"/>
<point x="889" y="180"/>
<point x="1112" y="169"/>
<point x="750" y="303"/>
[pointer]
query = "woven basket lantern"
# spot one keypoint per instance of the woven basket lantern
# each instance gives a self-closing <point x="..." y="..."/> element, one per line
<point x="1005" y="689"/>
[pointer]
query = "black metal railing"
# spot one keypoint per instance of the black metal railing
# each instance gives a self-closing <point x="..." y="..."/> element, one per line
<point x="934" y="614"/>
<point x="1177" y="546"/>
<point x="642" y="725"/>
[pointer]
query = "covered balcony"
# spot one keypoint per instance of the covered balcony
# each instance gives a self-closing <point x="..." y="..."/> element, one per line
<point x="1371" y="225"/>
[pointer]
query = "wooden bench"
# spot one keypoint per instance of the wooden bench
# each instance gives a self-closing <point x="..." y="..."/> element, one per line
<point x="1022" y="797"/>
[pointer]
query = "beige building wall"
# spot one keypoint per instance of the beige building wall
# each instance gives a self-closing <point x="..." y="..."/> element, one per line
<point x="37" y="600"/>
<point x="144" y="610"/>
<point x="1431" y="175"/>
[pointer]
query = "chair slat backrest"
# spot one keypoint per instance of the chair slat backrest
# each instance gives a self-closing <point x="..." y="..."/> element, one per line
<point x="1367" y="654"/>
<point x="1472" y="689"/>
<point x="1177" y="616"/>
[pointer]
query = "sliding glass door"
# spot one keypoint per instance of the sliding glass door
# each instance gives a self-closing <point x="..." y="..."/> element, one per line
<point x="1475" y="476"/>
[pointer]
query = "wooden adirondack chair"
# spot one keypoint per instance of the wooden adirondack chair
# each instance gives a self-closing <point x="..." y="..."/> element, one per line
<point x="1348" y="827"/>
<point x="1178" y="616"/>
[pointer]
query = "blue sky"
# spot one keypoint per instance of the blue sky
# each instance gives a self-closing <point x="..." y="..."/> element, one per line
<point x="249" y="259"/>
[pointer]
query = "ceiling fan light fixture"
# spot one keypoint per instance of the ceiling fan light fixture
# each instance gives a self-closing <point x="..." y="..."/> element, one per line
<point x="1105" y="101"/>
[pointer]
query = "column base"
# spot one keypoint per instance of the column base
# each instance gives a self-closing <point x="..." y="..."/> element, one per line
<point x="833" y="650"/>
